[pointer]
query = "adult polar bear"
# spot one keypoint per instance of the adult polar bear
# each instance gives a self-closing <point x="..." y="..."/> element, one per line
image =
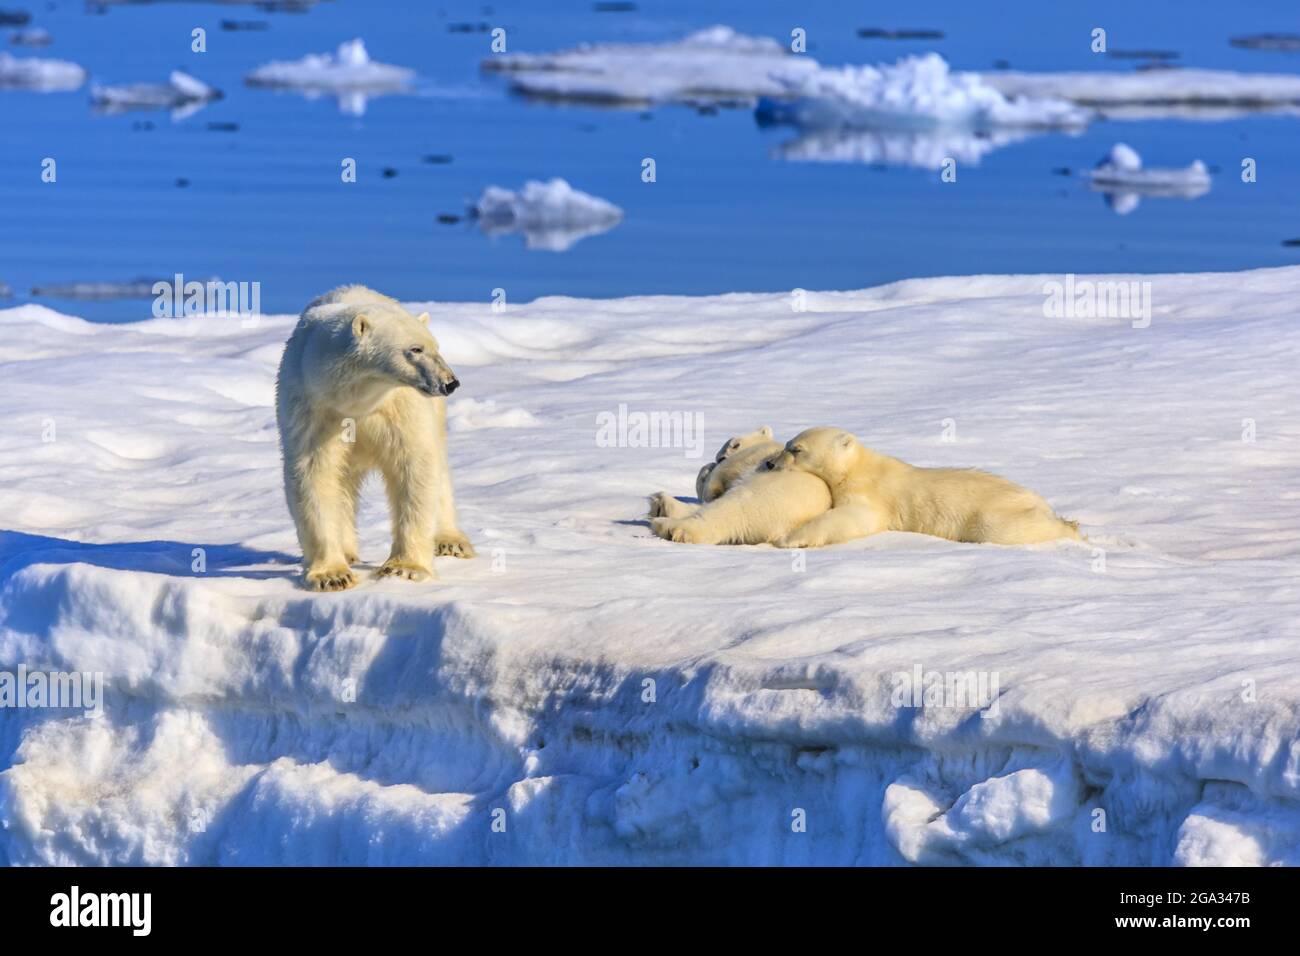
<point x="360" y="388"/>
<point x="872" y="493"/>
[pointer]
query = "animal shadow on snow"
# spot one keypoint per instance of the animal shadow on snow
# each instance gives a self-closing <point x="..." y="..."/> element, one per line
<point x="18" y="550"/>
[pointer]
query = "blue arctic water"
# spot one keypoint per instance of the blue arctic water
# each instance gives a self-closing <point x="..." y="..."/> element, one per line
<point x="265" y="202"/>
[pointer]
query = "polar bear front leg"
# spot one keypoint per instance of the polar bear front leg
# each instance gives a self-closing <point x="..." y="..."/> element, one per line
<point x="448" y="540"/>
<point x="838" y="525"/>
<point x="410" y="501"/>
<point x="316" y="485"/>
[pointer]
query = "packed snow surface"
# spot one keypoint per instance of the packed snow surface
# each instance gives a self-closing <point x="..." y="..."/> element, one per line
<point x="550" y="215"/>
<point x="585" y="692"/>
<point x="40" y="74"/>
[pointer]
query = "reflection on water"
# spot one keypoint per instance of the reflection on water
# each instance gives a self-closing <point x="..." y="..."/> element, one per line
<point x="251" y="187"/>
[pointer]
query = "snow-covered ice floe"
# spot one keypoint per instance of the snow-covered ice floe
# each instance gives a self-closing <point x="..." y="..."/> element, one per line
<point x="347" y="74"/>
<point x="183" y="94"/>
<point x="1125" y="180"/>
<point x="915" y="112"/>
<point x="39" y="74"/>
<point x="549" y="215"/>
<point x="712" y="65"/>
<point x="720" y="65"/>
<point x="614" y="698"/>
<point x="1178" y="92"/>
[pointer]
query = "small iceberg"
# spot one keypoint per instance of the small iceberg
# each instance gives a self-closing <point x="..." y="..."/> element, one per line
<point x="347" y="74"/>
<point x="716" y="65"/>
<point x="182" y="94"/>
<point x="549" y="215"/>
<point x="40" y="75"/>
<point x="1122" y="177"/>
<point x="916" y="93"/>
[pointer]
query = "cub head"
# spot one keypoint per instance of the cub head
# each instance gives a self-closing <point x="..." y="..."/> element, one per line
<point x="399" y="347"/>
<point x="828" y="453"/>
<point x="740" y="442"/>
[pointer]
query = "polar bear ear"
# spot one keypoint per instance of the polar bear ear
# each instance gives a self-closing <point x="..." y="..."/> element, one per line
<point x="846" y="440"/>
<point x="766" y="431"/>
<point x="360" y="325"/>
<point x="423" y="318"/>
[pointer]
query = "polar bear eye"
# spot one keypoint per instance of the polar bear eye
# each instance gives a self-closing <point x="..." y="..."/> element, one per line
<point x="417" y="349"/>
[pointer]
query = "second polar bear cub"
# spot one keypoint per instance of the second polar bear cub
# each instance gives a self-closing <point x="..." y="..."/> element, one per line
<point x="742" y="502"/>
<point x="360" y="389"/>
<point x="874" y="493"/>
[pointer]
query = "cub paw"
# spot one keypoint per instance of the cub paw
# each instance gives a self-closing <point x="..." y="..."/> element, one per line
<point x="330" y="578"/>
<point x="454" y="545"/>
<point x="683" y="531"/>
<point x="406" y="570"/>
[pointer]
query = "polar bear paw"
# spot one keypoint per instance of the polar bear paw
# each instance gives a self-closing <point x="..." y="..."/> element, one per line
<point x="681" y="530"/>
<point x="453" y="545"/>
<point x="664" y="505"/>
<point x="331" y="577"/>
<point x="405" y="569"/>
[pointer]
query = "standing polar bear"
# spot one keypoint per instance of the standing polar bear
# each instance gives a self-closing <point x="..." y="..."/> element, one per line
<point x="874" y="493"/>
<point x="360" y="388"/>
<point x="742" y="501"/>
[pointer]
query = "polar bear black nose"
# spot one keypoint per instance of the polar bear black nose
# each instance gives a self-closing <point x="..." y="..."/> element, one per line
<point x="451" y="386"/>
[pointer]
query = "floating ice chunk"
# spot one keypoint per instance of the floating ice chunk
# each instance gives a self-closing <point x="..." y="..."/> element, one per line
<point x="917" y="92"/>
<point x="348" y="73"/>
<point x="42" y="75"/>
<point x="348" y="68"/>
<point x="183" y="94"/>
<point x="1122" y="177"/>
<point x="550" y="215"/>
<point x="713" y="65"/>
<point x="1191" y="90"/>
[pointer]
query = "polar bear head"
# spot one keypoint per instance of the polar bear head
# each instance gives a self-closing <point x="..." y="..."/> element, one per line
<point x="392" y="344"/>
<point x="740" y="442"/>
<point x="831" y="454"/>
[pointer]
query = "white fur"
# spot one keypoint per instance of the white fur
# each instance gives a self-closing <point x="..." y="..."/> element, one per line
<point x="742" y="502"/>
<point x="874" y="493"/>
<point x="359" y="366"/>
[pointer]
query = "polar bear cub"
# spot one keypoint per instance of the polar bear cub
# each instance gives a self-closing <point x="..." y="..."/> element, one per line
<point x="874" y="493"/>
<point x="737" y="459"/>
<point x="360" y="389"/>
<point x="742" y="501"/>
